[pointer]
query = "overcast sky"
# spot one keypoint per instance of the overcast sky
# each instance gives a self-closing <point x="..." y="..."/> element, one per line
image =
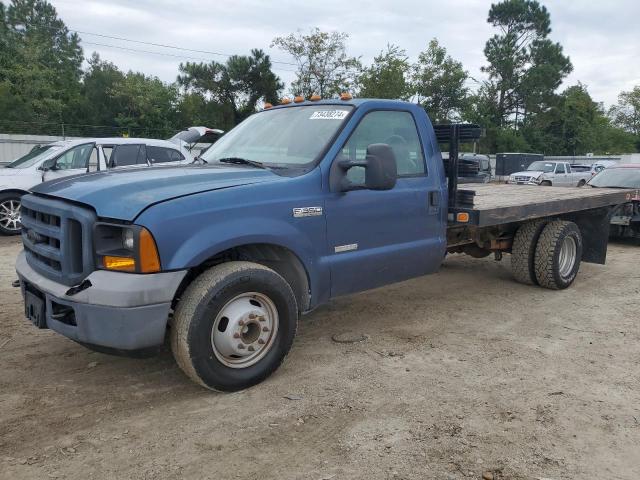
<point x="602" y="37"/>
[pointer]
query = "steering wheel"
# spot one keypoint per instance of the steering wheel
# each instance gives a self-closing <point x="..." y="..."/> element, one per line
<point x="401" y="150"/>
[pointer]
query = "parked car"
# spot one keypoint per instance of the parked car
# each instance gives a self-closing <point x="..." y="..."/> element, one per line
<point x="625" y="221"/>
<point x="559" y="174"/>
<point x="601" y="165"/>
<point x="472" y="167"/>
<point x="72" y="157"/>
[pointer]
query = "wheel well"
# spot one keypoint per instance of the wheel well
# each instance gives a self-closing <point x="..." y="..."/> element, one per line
<point x="14" y="190"/>
<point x="278" y="258"/>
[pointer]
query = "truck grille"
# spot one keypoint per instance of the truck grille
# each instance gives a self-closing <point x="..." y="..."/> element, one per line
<point x="57" y="238"/>
<point x="522" y="179"/>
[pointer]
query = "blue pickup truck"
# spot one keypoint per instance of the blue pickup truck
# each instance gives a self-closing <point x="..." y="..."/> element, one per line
<point x="298" y="204"/>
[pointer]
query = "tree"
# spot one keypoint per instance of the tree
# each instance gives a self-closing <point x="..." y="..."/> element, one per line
<point x="99" y="83"/>
<point x="626" y="114"/>
<point x="387" y="77"/>
<point x="525" y="67"/>
<point x="577" y="125"/>
<point x="238" y="86"/>
<point x="146" y="106"/>
<point x="438" y="82"/>
<point x="40" y="64"/>
<point x="324" y="68"/>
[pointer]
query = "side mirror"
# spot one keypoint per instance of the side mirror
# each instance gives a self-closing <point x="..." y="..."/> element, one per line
<point x="381" y="171"/>
<point x="48" y="165"/>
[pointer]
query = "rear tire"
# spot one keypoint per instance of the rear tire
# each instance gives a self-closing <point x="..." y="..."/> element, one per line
<point x="558" y="255"/>
<point x="523" y="252"/>
<point x="10" y="223"/>
<point x="233" y="326"/>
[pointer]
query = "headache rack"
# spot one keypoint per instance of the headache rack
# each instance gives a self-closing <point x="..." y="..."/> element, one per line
<point x="453" y="134"/>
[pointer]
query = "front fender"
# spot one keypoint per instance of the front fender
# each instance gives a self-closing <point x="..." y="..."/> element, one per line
<point x="215" y="238"/>
<point x="190" y="230"/>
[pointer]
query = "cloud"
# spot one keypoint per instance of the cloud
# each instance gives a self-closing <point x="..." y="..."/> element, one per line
<point x="600" y="37"/>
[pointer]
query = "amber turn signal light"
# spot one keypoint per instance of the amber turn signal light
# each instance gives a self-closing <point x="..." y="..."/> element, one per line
<point x="148" y="252"/>
<point x="462" y="217"/>
<point x="121" y="264"/>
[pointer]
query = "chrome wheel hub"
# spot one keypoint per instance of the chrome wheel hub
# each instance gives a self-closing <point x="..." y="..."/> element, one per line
<point x="567" y="257"/>
<point x="10" y="215"/>
<point x="244" y="330"/>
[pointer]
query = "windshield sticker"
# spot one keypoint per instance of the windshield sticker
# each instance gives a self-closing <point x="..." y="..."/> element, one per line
<point x="329" y="115"/>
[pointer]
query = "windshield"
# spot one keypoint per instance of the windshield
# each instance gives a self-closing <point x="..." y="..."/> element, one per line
<point x="545" y="167"/>
<point x="34" y="156"/>
<point x="617" y="178"/>
<point x="286" y="137"/>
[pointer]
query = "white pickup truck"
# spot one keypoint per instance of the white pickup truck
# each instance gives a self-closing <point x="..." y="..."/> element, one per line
<point x="559" y="174"/>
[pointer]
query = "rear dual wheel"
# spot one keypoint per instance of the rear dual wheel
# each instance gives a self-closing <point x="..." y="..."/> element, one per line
<point x="547" y="253"/>
<point x="234" y="325"/>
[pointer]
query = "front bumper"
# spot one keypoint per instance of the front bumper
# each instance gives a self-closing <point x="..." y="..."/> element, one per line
<point x="530" y="182"/>
<point x="120" y="311"/>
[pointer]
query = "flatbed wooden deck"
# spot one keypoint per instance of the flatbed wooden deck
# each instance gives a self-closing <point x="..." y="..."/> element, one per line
<point x="496" y="204"/>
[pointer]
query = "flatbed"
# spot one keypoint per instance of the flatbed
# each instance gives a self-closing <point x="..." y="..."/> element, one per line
<point x="497" y="204"/>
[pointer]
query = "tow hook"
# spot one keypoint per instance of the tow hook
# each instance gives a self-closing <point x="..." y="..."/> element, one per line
<point x="78" y="288"/>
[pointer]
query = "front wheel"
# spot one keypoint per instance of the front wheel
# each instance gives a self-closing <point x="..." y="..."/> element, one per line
<point x="10" y="220"/>
<point x="234" y="325"/>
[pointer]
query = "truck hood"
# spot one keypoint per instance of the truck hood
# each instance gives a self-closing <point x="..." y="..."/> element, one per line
<point x="124" y="194"/>
<point x="528" y="173"/>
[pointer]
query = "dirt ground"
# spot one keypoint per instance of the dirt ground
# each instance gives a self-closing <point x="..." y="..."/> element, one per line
<point x="464" y="372"/>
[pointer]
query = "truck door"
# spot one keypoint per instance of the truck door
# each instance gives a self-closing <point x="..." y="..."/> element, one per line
<point x="380" y="237"/>
<point x="561" y="176"/>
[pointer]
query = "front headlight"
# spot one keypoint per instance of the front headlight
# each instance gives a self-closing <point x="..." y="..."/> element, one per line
<point x="125" y="248"/>
<point x="127" y="239"/>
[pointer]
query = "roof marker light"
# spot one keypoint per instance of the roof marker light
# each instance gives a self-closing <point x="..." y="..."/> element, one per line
<point x="298" y="98"/>
<point x="315" y="97"/>
<point x="267" y="105"/>
<point x="285" y="101"/>
<point x="346" y="96"/>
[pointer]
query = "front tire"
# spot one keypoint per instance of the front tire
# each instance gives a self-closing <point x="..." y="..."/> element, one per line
<point x="10" y="221"/>
<point x="234" y="325"/>
<point x="558" y="255"/>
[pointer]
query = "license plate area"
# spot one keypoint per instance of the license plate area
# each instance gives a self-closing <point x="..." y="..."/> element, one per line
<point x="35" y="309"/>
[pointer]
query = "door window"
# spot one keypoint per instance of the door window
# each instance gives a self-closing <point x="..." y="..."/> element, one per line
<point x="163" y="155"/>
<point x="75" y="158"/>
<point x="560" y="168"/>
<point x="126" y="155"/>
<point x="398" y="130"/>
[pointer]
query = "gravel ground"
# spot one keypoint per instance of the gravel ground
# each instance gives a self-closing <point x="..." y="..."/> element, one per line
<point x="463" y="373"/>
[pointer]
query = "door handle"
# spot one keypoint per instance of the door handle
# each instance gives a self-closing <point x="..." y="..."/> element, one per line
<point x="434" y="198"/>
